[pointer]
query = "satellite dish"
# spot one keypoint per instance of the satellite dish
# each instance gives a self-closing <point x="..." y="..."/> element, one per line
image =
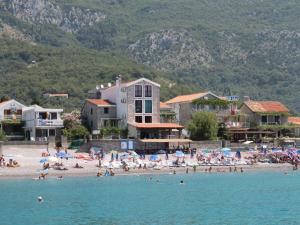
<point x="102" y="86"/>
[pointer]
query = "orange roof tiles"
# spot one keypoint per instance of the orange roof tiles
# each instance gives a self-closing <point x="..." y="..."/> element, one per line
<point x="157" y="125"/>
<point x="163" y="105"/>
<point x="100" y="102"/>
<point x="186" y="98"/>
<point x="294" y="120"/>
<point x="266" y="106"/>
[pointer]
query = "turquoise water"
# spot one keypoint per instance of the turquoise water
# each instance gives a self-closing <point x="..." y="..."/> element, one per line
<point x="249" y="198"/>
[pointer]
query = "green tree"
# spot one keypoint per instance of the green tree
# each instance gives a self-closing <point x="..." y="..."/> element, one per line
<point x="2" y="135"/>
<point x="203" y="126"/>
<point x="75" y="132"/>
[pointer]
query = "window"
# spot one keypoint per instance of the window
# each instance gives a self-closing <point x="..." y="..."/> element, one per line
<point x="148" y="91"/>
<point x="91" y="111"/>
<point x="148" y="119"/>
<point x="53" y="116"/>
<point x="148" y="106"/>
<point x="263" y="119"/>
<point x="51" y="132"/>
<point x="138" y="106"/>
<point x="105" y="123"/>
<point x="277" y="119"/>
<point x="106" y="110"/>
<point x="138" y="119"/>
<point x="138" y="91"/>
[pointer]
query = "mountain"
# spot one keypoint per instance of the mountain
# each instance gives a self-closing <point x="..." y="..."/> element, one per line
<point x="233" y="47"/>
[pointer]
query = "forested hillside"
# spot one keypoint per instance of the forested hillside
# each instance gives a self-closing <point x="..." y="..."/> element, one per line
<point x="249" y="47"/>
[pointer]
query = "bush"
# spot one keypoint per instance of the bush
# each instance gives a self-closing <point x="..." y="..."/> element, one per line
<point x="2" y="135"/>
<point x="203" y="126"/>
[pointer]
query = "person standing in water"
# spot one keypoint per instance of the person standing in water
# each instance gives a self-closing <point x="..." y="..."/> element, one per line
<point x="187" y="170"/>
<point x="194" y="168"/>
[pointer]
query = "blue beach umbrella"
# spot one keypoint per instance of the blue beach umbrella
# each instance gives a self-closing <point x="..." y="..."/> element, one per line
<point x="43" y="160"/>
<point x="179" y="154"/>
<point x="225" y="149"/>
<point x="154" y="158"/>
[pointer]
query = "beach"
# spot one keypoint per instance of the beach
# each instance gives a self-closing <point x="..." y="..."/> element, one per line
<point x="30" y="166"/>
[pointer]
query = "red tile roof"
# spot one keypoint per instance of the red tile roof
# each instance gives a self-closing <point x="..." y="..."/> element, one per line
<point x="2" y="103"/>
<point x="163" y="105"/>
<point x="157" y="125"/>
<point x="266" y="106"/>
<point x="100" y="102"/>
<point x="294" y="120"/>
<point x="186" y="98"/>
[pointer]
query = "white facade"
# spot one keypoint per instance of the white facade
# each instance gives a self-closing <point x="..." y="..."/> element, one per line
<point x="11" y="109"/>
<point x="123" y="95"/>
<point x="41" y="123"/>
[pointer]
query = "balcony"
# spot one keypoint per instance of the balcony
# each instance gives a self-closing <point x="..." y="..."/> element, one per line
<point x="49" y="123"/>
<point x="269" y="123"/>
<point x="238" y="124"/>
<point x="12" y="117"/>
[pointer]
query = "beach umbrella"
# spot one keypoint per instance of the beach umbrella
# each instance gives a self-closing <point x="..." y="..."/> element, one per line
<point x="179" y="154"/>
<point x="225" y="149"/>
<point x="227" y="154"/>
<point x="154" y="158"/>
<point x="161" y="152"/>
<point x="247" y="142"/>
<point x="43" y="160"/>
<point x="52" y="159"/>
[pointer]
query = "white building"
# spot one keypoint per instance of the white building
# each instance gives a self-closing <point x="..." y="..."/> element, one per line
<point x="41" y="123"/>
<point x="134" y="105"/>
<point x="11" y="110"/>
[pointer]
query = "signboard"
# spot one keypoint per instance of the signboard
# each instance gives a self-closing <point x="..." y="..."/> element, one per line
<point x="124" y="145"/>
<point x="95" y="132"/>
<point x="130" y="145"/>
<point x="233" y="98"/>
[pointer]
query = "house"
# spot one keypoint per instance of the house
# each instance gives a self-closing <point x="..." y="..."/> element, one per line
<point x="131" y="105"/>
<point x="185" y="105"/>
<point x="99" y="113"/>
<point x="56" y="95"/>
<point x="260" y="113"/>
<point x="260" y="119"/>
<point x="42" y="123"/>
<point x="11" y="119"/>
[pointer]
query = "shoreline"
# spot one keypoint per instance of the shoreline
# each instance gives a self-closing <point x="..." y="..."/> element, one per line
<point x="53" y="174"/>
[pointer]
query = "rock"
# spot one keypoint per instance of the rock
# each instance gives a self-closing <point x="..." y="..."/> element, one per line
<point x="170" y="50"/>
<point x="70" y="19"/>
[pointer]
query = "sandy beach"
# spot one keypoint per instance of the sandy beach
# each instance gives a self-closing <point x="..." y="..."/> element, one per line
<point x="30" y="166"/>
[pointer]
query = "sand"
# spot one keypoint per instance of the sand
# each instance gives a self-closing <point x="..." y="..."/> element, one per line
<point x="30" y="166"/>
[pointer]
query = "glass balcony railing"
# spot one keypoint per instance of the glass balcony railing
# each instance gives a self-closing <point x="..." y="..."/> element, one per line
<point x="49" y="123"/>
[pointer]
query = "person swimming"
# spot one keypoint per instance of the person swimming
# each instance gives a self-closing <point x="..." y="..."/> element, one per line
<point x="40" y="199"/>
<point x="181" y="182"/>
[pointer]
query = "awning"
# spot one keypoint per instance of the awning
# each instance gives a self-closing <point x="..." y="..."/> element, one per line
<point x="157" y="125"/>
<point x="166" y="140"/>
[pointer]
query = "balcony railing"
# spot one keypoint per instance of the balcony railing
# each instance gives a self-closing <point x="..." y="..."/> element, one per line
<point x="12" y="117"/>
<point x="238" y="125"/>
<point x="269" y="123"/>
<point x="49" y="123"/>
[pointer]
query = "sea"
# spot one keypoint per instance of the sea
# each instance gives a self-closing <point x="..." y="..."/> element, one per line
<point x="216" y="198"/>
